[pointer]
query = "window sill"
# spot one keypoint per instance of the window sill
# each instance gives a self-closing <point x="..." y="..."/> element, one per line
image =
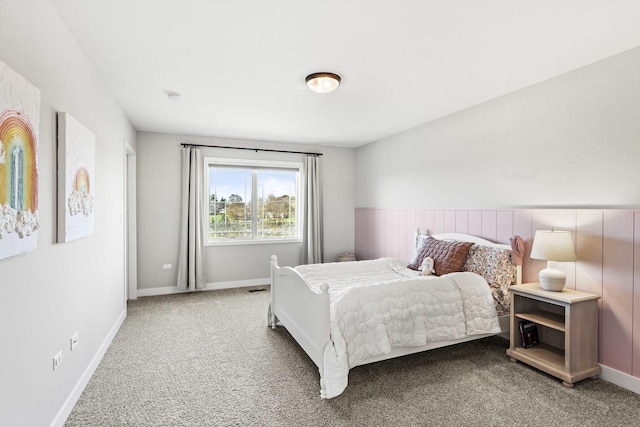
<point x="252" y="242"/>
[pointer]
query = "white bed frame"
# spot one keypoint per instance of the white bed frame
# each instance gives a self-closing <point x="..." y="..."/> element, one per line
<point x="305" y="312"/>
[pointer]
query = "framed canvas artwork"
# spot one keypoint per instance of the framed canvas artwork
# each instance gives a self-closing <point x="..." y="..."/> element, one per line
<point x="76" y="179"/>
<point x="19" y="129"/>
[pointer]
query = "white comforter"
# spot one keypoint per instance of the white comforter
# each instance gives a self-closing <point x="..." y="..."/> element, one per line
<point x="378" y="305"/>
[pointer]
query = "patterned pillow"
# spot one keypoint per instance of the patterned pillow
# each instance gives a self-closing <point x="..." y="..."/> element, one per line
<point x="494" y="264"/>
<point x="448" y="256"/>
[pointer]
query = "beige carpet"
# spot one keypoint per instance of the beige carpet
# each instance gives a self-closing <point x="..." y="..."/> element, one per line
<point x="208" y="359"/>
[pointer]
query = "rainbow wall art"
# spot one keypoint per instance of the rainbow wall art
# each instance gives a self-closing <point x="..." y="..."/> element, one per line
<point x="19" y="125"/>
<point x="76" y="179"/>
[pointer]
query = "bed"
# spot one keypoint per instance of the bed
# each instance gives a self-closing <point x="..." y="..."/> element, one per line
<point x="353" y="313"/>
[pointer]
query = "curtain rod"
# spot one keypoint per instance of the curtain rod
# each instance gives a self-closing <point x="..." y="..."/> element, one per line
<point x="185" y="144"/>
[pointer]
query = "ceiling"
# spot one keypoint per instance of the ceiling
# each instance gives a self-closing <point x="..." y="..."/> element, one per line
<point x="240" y="65"/>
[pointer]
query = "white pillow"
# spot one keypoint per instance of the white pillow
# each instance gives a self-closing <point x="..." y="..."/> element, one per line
<point x="421" y="240"/>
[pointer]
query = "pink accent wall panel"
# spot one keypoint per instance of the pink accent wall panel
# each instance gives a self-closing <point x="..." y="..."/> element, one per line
<point x="522" y="227"/>
<point x="489" y="228"/>
<point x="503" y="226"/>
<point x="449" y="222"/>
<point x="429" y="218"/>
<point x="474" y="219"/>
<point x="636" y="296"/>
<point x="607" y="247"/>
<point x="589" y="253"/>
<point x="617" y="292"/>
<point x="462" y="222"/>
<point x="438" y="222"/>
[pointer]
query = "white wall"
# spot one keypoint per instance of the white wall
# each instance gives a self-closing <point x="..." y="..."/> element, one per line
<point x="572" y="141"/>
<point x="159" y="174"/>
<point x="58" y="289"/>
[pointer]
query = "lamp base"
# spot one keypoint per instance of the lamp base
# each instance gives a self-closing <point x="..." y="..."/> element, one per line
<point x="552" y="279"/>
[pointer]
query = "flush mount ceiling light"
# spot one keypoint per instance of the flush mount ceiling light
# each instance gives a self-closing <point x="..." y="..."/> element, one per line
<point x="323" y="82"/>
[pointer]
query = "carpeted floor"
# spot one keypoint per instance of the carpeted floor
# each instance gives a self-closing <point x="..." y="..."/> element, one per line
<point x="208" y="359"/>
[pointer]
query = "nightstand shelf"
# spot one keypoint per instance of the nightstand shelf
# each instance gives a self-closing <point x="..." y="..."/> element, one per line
<point x="567" y="325"/>
<point x="544" y="318"/>
<point x="542" y="356"/>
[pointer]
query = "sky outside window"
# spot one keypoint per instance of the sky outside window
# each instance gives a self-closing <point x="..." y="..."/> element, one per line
<point x="224" y="182"/>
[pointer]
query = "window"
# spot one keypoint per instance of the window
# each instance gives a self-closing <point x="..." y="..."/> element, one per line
<point x="252" y="201"/>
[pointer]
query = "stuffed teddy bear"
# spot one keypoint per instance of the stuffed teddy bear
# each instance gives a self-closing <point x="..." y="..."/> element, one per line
<point x="427" y="267"/>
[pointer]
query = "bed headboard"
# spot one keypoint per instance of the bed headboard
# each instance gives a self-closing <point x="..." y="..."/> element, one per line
<point x="475" y="239"/>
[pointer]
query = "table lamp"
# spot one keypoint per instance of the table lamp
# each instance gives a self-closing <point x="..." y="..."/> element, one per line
<point x="553" y="246"/>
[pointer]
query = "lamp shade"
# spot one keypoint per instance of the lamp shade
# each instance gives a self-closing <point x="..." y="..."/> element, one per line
<point x="553" y="246"/>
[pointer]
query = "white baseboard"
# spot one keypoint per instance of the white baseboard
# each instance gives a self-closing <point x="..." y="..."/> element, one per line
<point x="620" y="378"/>
<point x="168" y="290"/>
<point x="71" y="401"/>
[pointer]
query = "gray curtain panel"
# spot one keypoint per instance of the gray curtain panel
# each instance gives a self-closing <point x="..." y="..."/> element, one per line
<point x="192" y="222"/>
<point x="312" y="235"/>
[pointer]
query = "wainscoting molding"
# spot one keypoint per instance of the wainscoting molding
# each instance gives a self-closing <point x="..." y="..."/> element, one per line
<point x="607" y="246"/>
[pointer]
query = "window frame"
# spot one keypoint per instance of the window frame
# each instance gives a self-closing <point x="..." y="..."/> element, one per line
<point x="254" y="165"/>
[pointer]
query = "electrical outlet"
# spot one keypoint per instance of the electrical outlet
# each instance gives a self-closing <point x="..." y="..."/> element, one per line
<point x="74" y="341"/>
<point x="166" y="266"/>
<point x="57" y="360"/>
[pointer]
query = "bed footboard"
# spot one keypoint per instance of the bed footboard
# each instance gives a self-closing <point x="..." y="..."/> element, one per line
<point x="300" y="309"/>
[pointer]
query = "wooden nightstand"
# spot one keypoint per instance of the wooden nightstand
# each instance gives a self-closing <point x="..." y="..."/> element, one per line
<point x="567" y="324"/>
